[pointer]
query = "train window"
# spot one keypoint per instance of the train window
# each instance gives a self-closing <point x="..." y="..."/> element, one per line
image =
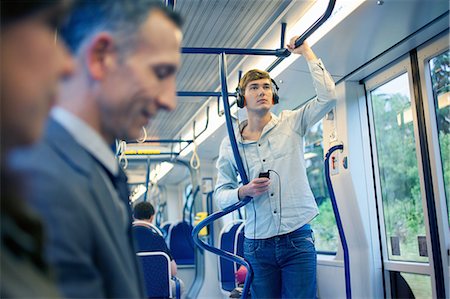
<point x="324" y="225"/>
<point x="398" y="170"/>
<point x="410" y="285"/>
<point x="439" y="68"/>
<point x="187" y="193"/>
<point x="186" y="199"/>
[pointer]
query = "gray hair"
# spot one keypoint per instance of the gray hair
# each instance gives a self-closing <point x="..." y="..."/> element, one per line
<point x="121" y="18"/>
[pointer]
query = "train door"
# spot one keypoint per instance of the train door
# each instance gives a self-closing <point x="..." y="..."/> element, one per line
<point x="409" y="118"/>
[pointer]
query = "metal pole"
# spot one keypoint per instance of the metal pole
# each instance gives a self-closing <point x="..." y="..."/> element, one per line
<point x="348" y="288"/>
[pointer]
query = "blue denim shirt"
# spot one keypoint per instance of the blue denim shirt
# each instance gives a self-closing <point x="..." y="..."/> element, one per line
<point x="289" y="204"/>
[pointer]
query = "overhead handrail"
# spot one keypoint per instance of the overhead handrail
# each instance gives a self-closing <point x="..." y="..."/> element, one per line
<point x="208" y="220"/>
<point x="157" y="152"/>
<point x="348" y="289"/>
<point x="307" y="33"/>
<point x="316" y="24"/>
<point x="236" y="51"/>
<point x="163" y="141"/>
<point x="204" y="129"/>
<point x="202" y="94"/>
<point x="153" y="152"/>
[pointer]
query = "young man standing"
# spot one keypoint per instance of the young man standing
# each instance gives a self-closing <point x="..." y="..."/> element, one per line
<point x="278" y="238"/>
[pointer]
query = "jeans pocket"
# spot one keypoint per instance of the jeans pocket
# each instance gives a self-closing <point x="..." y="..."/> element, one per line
<point x="250" y="246"/>
<point x="303" y="242"/>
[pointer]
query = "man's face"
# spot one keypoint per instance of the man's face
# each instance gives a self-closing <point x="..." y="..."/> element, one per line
<point x="259" y="95"/>
<point x="32" y="63"/>
<point x="143" y="81"/>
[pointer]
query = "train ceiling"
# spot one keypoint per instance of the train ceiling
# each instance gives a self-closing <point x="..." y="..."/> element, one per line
<point x="251" y="23"/>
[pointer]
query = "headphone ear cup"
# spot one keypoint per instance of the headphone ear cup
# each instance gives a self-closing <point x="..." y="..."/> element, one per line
<point x="276" y="97"/>
<point x="240" y="100"/>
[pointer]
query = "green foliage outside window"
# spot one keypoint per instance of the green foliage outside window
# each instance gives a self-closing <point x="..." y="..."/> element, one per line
<point x="324" y="225"/>
<point x="440" y="78"/>
<point x="398" y="169"/>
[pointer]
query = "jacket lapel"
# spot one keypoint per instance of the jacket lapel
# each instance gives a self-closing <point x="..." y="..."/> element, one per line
<point x="103" y="194"/>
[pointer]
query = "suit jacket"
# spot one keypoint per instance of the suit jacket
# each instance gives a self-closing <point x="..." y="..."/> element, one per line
<point x="91" y="250"/>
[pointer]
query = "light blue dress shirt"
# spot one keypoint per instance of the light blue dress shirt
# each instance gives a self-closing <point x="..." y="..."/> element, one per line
<point x="289" y="204"/>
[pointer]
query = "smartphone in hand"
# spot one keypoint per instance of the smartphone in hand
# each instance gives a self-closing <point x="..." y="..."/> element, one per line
<point x="264" y="175"/>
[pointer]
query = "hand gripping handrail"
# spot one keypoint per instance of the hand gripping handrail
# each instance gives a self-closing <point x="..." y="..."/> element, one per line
<point x="208" y="220"/>
<point x="348" y="289"/>
<point x="316" y="24"/>
<point x="307" y="33"/>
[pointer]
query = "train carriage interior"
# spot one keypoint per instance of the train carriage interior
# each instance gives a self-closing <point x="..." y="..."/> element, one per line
<point x="385" y="57"/>
<point x="377" y="163"/>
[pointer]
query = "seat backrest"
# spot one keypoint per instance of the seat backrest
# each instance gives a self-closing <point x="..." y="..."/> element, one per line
<point x="151" y="226"/>
<point x="156" y="268"/>
<point x="165" y="228"/>
<point x="181" y="244"/>
<point x="147" y="239"/>
<point x="231" y="240"/>
<point x="239" y="243"/>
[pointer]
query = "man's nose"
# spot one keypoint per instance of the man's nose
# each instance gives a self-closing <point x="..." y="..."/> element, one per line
<point x="167" y="99"/>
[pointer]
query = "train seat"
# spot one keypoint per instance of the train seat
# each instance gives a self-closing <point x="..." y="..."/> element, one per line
<point x="156" y="268"/>
<point x="231" y="239"/>
<point x="181" y="243"/>
<point x="165" y="228"/>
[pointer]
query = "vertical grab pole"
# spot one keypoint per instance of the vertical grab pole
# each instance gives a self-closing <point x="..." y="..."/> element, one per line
<point x="209" y="209"/>
<point x="234" y="146"/>
<point x="226" y="106"/>
<point x="283" y="34"/>
<point x="147" y="179"/>
<point x="211" y="218"/>
<point x="348" y="289"/>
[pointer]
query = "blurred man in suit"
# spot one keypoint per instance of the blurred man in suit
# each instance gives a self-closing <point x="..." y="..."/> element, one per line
<point x="127" y="54"/>
<point x="32" y="63"/>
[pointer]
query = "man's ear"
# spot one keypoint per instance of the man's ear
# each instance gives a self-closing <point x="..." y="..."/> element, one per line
<point x="101" y="55"/>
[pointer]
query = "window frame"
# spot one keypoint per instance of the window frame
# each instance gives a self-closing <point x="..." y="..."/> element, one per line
<point x="389" y="73"/>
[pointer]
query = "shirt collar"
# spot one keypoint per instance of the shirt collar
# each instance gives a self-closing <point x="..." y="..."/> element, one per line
<point x="141" y="223"/>
<point x="87" y="137"/>
<point x="269" y="126"/>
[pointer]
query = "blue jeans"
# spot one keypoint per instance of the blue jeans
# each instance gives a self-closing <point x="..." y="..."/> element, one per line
<point x="284" y="266"/>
